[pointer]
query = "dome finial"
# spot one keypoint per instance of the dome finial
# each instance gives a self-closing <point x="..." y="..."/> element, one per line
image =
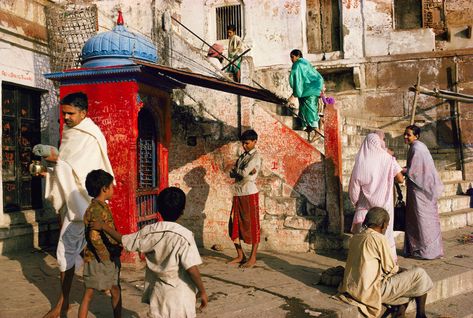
<point x="120" y="17"/>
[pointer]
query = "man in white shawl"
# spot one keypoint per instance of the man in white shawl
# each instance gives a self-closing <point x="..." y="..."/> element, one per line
<point x="371" y="183"/>
<point x="83" y="149"/>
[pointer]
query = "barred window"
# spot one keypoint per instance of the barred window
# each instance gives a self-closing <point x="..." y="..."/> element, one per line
<point x="226" y="16"/>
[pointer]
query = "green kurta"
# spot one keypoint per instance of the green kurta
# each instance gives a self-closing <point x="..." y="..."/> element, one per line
<point x="306" y="84"/>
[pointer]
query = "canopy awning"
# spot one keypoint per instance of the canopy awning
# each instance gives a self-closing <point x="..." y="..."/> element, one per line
<point x="201" y="80"/>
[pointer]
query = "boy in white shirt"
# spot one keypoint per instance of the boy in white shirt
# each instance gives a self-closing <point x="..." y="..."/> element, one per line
<point x="244" y="217"/>
<point x="172" y="279"/>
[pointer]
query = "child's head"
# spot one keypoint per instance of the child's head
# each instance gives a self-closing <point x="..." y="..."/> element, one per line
<point x="248" y="139"/>
<point x="171" y="203"/>
<point x="99" y="183"/>
<point x="231" y="30"/>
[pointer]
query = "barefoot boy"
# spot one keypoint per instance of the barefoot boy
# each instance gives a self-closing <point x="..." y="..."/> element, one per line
<point x="102" y="253"/>
<point x="244" y="217"/>
<point x="172" y="277"/>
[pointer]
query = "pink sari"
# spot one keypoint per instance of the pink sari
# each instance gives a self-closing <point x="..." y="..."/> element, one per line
<point x="423" y="235"/>
<point x="371" y="183"/>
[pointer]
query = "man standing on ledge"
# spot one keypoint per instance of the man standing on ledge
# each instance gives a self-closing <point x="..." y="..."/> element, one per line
<point x="83" y="149"/>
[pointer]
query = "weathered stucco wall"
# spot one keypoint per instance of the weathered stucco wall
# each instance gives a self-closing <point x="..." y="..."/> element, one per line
<point x="369" y="80"/>
<point x="24" y="60"/>
<point x="271" y="28"/>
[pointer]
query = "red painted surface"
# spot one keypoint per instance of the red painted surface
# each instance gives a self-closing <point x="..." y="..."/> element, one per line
<point x="333" y="141"/>
<point x="114" y="107"/>
<point x="333" y="164"/>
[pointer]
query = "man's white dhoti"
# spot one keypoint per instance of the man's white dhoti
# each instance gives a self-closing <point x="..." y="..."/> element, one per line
<point x="401" y="288"/>
<point x="83" y="149"/>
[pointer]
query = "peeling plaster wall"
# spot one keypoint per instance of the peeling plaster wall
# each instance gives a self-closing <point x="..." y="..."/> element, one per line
<point x="23" y="61"/>
<point x="380" y="37"/>
<point x="272" y="27"/>
<point x="365" y="82"/>
<point x="292" y="188"/>
<point x="287" y="184"/>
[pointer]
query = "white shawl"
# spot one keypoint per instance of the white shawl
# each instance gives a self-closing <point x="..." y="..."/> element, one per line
<point x="83" y="149"/>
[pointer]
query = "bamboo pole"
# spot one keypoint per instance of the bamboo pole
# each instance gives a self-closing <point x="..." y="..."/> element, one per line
<point x="442" y="94"/>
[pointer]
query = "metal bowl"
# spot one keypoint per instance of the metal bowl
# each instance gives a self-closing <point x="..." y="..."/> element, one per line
<point x="36" y="168"/>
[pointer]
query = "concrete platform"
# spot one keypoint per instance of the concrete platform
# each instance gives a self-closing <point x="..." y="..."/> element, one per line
<point x="280" y="285"/>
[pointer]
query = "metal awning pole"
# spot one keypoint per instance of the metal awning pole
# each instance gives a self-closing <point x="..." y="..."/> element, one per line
<point x="235" y="59"/>
<point x="200" y="39"/>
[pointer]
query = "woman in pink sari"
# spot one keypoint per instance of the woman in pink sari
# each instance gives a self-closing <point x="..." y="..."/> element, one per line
<point x="371" y="183"/>
<point x="423" y="236"/>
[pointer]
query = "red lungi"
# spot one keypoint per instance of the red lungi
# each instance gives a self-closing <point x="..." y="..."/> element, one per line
<point x="244" y="219"/>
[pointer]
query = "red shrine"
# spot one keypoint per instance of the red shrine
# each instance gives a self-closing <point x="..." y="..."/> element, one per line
<point x="131" y="105"/>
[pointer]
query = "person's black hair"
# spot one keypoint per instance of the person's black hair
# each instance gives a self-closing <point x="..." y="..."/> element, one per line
<point x="78" y="100"/>
<point x="96" y="180"/>
<point x="296" y="53"/>
<point x="249" y="135"/>
<point x="231" y="27"/>
<point x="415" y="129"/>
<point x="171" y="203"/>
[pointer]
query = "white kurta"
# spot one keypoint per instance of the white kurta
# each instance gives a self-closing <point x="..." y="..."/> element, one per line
<point x="83" y="149"/>
<point x="170" y="250"/>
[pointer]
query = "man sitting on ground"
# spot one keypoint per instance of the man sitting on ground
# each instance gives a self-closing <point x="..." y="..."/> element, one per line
<point x="372" y="278"/>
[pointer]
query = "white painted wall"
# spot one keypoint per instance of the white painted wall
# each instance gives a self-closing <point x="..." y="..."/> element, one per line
<point x="272" y="28"/>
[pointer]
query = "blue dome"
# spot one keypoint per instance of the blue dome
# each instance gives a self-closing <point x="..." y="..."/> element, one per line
<point x="116" y="47"/>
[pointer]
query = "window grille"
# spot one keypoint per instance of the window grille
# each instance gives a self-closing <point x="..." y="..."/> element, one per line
<point x="21" y="131"/>
<point x="228" y="15"/>
<point x="147" y="192"/>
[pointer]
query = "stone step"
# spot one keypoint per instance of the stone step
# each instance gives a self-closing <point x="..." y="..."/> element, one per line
<point x="456" y="219"/>
<point x="24" y="236"/>
<point x="453" y="203"/>
<point x="457" y="187"/>
<point x="286" y="120"/>
<point x="453" y="274"/>
<point x="317" y="143"/>
<point x="453" y="307"/>
<point x="450" y="175"/>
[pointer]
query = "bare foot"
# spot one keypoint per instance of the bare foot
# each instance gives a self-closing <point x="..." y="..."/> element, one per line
<point x="249" y="264"/>
<point x="237" y="260"/>
<point x="56" y="313"/>
<point x="53" y="313"/>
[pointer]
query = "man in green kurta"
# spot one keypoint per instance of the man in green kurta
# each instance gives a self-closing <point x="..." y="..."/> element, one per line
<point x="307" y="85"/>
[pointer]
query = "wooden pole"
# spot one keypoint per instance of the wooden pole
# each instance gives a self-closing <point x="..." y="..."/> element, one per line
<point x="458" y="123"/>
<point x="443" y="94"/>
<point x="414" y="105"/>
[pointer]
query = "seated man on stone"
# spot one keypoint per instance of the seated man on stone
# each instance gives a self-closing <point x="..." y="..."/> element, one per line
<point x="372" y="278"/>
